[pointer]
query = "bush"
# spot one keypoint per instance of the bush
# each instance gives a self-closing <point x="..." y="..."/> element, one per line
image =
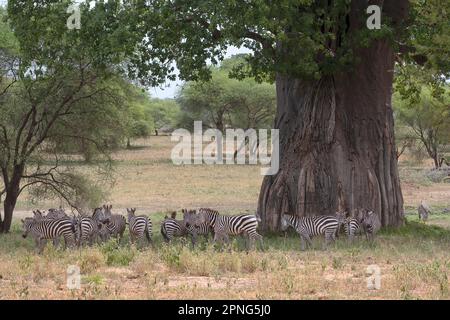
<point x="117" y="256"/>
<point x="91" y="260"/>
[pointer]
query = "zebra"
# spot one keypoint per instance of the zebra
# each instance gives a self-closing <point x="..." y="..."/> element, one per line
<point x="99" y="215"/>
<point x="101" y="220"/>
<point x="243" y="224"/>
<point x="370" y="224"/>
<point x="208" y="226"/>
<point x="44" y="229"/>
<point x="196" y="223"/>
<point x="352" y="227"/>
<point x="171" y="228"/>
<point x="307" y="227"/>
<point x="115" y="223"/>
<point x="140" y="226"/>
<point x="88" y="230"/>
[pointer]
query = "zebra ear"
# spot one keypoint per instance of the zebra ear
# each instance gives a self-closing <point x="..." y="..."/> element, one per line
<point x="21" y="220"/>
<point x="174" y="214"/>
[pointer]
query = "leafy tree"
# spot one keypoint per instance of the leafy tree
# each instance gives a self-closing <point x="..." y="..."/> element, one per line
<point x="164" y="112"/>
<point x="223" y="102"/>
<point x="57" y="74"/>
<point x="428" y="119"/>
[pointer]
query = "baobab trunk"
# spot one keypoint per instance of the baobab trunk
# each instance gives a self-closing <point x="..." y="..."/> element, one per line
<point x="337" y="146"/>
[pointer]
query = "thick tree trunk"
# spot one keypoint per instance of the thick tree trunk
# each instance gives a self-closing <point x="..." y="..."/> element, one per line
<point x="12" y="194"/>
<point x="337" y="146"/>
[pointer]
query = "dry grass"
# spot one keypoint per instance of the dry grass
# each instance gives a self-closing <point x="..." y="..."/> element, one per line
<point x="414" y="261"/>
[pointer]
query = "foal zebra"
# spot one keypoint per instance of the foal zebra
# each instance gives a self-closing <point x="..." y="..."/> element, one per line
<point x="370" y="224"/>
<point x="44" y="229"/>
<point x="140" y="226"/>
<point x="243" y="224"/>
<point x="307" y="227"/>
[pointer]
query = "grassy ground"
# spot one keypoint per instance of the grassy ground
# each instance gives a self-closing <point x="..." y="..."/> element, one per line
<point x="414" y="260"/>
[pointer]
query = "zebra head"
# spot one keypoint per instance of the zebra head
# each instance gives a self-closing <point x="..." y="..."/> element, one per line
<point x="192" y="218"/>
<point x="26" y="226"/>
<point x="38" y="215"/>
<point x="368" y="219"/>
<point x="107" y="210"/>
<point x="131" y="213"/>
<point x="285" y="222"/>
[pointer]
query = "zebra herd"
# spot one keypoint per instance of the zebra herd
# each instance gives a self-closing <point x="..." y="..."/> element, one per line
<point x="103" y="224"/>
<point x="366" y="222"/>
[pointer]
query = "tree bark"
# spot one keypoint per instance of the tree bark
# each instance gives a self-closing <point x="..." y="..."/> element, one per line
<point x="12" y="194"/>
<point x="337" y="146"/>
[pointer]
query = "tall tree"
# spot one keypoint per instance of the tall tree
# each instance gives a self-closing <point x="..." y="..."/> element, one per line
<point x="57" y="72"/>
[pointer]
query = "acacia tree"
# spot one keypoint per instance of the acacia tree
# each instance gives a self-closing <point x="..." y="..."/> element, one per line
<point x="334" y="81"/>
<point x="429" y="120"/>
<point x="49" y="88"/>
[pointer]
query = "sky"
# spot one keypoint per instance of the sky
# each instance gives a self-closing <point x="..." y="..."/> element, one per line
<point x="170" y="89"/>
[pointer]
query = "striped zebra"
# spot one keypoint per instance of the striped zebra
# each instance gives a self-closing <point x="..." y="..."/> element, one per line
<point x="99" y="215"/>
<point x="171" y="228"/>
<point x="352" y="227"/>
<point x="308" y="227"/>
<point x="140" y="227"/>
<point x="115" y="223"/>
<point x="100" y="219"/>
<point x="370" y="224"/>
<point x="42" y="230"/>
<point x="87" y="230"/>
<point x="243" y="224"/>
<point x="207" y="227"/>
<point x="196" y="224"/>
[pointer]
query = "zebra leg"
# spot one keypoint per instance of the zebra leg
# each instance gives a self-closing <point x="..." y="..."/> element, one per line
<point x="307" y="239"/>
<point x="193" y="239"/>
<point x="42" y="243"/>
<point x="56" y="242"/>
<point x="302" y="242"/>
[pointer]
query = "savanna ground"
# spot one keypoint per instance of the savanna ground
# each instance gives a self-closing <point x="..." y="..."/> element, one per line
<point x="414" y="260"/>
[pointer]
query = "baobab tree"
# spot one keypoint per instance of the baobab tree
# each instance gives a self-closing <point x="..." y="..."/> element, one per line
<point x="334" y="81"/>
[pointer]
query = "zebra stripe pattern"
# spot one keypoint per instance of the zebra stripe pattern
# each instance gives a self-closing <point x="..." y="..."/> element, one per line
<point x="207" y="227"/>
<point x="115" y="223"/>
<point x="87" y="230"/>
<point x="41" y="230"/>
<point x="244" y="225"/>
<point x="140" y="227"/>
<point x="370" y="224"/>
<point x="171" y="228"/>
<point x="352" y="227"/>
<point x="308" y="227"/>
